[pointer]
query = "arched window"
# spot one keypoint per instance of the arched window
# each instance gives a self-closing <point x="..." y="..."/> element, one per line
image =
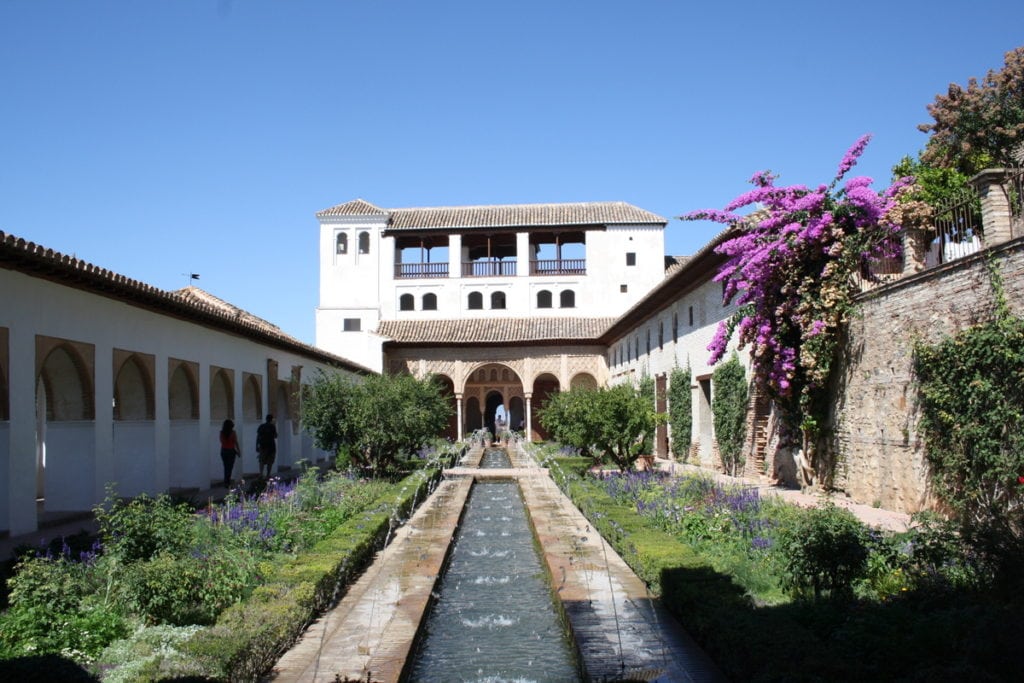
<point x="476" y="301"/>
<point x="543" y="299"/>
<point x="406" y="302"/>
<point x="341" y="243"/>
<point x="675" y="327"/>
<point x="430" y="302"/>
<point x="364" y="243"/>
<point x="498" y="300"/>
<point x="567" y="299"/>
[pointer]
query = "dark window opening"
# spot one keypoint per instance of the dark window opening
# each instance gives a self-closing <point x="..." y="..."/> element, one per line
<point x="498" y="300"/>
<point x="631" y="258"/>
<point x="364" y="243"/>
<point x="476" y="301"/>
<point x="567" y="299"/>
<point x="543" y="299"/>
<point x="406" y="302"/>
<point x="352" y="325"/>
<point x="623" y="288"/>
<point x="429" y="302"/>
<point x="341" y="243"/>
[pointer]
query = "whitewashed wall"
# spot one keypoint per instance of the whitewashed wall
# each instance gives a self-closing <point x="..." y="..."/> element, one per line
<point x="148" y="456"/>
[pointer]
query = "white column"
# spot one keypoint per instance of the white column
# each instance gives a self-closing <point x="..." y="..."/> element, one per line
<point x="454" y="255"/>
<point x="523" y="254"/>
<point x="458" y="416"/>
<point x="529" y="418"/>
<point x="20" y="474"/>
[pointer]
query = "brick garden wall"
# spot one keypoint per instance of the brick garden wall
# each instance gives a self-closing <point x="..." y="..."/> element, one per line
<point x="879" y="456"/>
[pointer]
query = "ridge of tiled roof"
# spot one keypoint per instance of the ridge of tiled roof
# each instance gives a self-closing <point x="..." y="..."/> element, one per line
<point x="522" y="215"/>
<point x="500" y="215"/>
<point x="192" y="303"/>
<point x="356" y="207"/>
<point x="495" y="330"/>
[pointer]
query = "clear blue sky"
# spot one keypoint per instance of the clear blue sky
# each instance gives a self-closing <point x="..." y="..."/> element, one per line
<point x="165" y="137"/>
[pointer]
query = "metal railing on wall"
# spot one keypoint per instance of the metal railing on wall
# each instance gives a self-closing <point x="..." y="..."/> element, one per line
<point x="958" y="228"/>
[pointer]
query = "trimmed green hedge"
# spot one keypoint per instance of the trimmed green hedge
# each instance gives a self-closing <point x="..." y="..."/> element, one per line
<point x="249" y="637"/>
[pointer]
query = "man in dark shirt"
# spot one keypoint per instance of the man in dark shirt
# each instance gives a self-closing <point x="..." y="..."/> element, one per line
<point x="266" y="444"/>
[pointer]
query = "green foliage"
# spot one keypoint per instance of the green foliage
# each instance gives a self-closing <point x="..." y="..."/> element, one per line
<point x="141" y="527"/>
<point x="377" y="419"/>
<point x="53" y="610"/>
<point x="981" y="125"/>
<point x="680" y="410"/>
<point x="971" y="392"/>
<point x="611" y="422"/>
<point x="729" y="407"/>
<point x="934" y="185"/>
<point x="824" y="551"/>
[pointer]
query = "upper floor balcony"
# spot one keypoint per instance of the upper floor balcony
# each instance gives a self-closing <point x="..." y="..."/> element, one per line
<point x="558" y="266"/>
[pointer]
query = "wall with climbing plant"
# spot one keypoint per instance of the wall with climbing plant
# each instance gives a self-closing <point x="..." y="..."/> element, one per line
<point x="878" y="453"/>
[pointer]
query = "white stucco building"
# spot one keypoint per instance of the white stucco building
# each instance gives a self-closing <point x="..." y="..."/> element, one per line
<point x="557" y="261"/>
<point x="106" y="380"/>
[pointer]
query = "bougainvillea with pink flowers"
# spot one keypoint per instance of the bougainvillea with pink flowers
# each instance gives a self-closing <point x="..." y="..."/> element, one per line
<point x="792" y="269"/>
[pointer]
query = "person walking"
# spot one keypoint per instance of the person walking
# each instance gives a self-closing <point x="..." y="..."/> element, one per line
<point x="266" y="444"/>
<point x="228" y="450"/>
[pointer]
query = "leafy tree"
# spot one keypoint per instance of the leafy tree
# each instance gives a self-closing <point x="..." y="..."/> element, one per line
<point x="981" y="126"/>
<point x="680" y="410"/>
<point x="729" y="407"/>
<point x="934" y="186"/>
<point x="610" y="422"/>
<point x="376" y="419"/>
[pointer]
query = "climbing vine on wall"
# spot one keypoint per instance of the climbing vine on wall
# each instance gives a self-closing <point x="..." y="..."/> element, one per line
<point x="680" y="410"/>
<point x="729" y="407"/>
<point x="971" y="389"/>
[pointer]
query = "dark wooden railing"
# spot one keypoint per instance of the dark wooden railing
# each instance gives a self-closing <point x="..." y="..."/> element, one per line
<point x="488" y="268"/>
<point x="573" y="266"/>
<point x="420" y="270"/>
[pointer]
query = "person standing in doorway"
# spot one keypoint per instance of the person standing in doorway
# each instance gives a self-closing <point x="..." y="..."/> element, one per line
<point x="266" y="444"/>
<point x="228" y="450"/>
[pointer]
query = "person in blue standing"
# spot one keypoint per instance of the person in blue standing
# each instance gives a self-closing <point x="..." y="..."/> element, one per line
<point x="266" y="444"/>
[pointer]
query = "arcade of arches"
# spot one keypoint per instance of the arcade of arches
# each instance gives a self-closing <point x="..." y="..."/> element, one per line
<point x="515" y="388"/>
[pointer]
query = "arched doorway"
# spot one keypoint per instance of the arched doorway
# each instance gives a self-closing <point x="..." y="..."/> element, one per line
<point x="222" y="407"/>
<point x="543" y="387"/>
<point x="489" y="387"/>
<point x="517" y="414"/>
<point x="494" y="407"/>
<point x="134" y="433"/>
<point x="583" y="380"/>
<point x="187" y="468"/>
<point x="65" y="430"/>
<point x="474" y="416"/>
<point x="282" y="416"/>
<point x="447" y="387"/>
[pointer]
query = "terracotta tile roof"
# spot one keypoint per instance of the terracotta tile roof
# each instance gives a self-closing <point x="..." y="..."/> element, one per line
<point x="502" y="216"/>
<point x="191" y="304"/>
<point x="495" y="330"/>
<point x="356" y="207"/>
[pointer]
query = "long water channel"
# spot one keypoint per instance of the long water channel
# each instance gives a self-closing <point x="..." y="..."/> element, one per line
<point x="494" y="617"/>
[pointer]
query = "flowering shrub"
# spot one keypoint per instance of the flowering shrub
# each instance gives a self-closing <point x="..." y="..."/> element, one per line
<point x="791" y="269"/>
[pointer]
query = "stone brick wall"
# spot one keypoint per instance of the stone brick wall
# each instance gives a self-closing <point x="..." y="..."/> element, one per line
<point x="879" y="458"/>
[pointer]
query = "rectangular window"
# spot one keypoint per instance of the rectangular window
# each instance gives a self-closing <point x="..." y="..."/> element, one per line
<point x="631" y="258"/>
<point x="352" y="325"/>
<point x="691" y="316"/>
<point x="623" y="288"/>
